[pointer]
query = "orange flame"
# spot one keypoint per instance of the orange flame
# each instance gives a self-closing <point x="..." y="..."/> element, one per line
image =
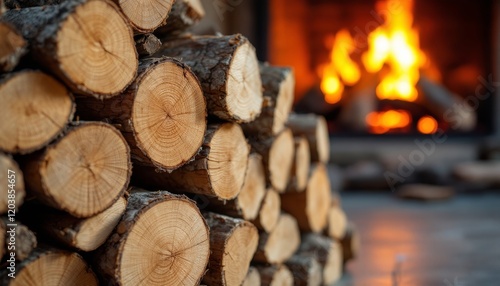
<point x="385" y="121"/>
<point x="427" y="125"/>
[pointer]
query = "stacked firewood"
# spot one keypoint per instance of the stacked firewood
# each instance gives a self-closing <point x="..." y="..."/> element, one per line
<point x="223" y="176"/>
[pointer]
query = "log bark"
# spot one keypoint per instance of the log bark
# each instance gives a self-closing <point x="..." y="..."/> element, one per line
<point x="3" y="236"/>
<point x="86" y="43"/>
<point x="252" y="278"/>
<point x="184" y="14"/>
<point x="301" y="165"/>
<point x="269" y="212"/>
<point x="278" y="84"/>
<point x="19" y="240"/>
<point x="277" y="153"/>
<point x="232" y="244"/>
<point x="337" y="222"/>
<point x="84" y="172"/>
<point x="12" y="46"/>
<point x="175" y="253"/>
<point x="147" y="44"/>
<point x="315" y="129"/>
<point x="328" y="253"/>
<point x="85" y="234"/>
<point x="280" y="244"/>
<point x="310" y="207"/>
<point x="350" y="243"/>
<point x="17" y="4"/>
<point x="228" y="71"/>
<point x="162" y="114"/>
<point x="12" y="192"/>
<point x="65" y="268"/>
<point x="247" y="204"/>
<point x="275" y="275"/>
<point x="218" y="170"/>
<point x="305" y="269"/>
<point x="33" y="99"/>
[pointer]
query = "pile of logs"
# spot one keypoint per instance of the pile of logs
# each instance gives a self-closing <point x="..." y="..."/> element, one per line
<point x="227" y="186"/>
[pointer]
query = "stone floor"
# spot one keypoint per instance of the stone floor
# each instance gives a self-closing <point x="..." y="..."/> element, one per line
<point x="407" y="243"/>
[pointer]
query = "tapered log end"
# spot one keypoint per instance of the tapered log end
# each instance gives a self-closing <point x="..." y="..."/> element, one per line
<point x="32" y="98"/>
<point x="337" y="222"/>
<point x="280" y="160"/>
<point x="281" y="243"/>
<point x="270" y="211"/>
<point x="254" y="188"/>
<point x="318" y="198"/>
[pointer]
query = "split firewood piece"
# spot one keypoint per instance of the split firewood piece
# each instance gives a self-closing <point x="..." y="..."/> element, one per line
<point x="247" y="204"/>
<point x="12" y="46"/>
<point x="315" y="129"/>
<point x="184" y="14"/>
<point x="32" y="98"/>
<point x="252" y="278"/>
<point x="232" y="244"/>
<point x="269" y="212"/>
<point x="301" y="165"/>
<point x="84" y="172"/>
<point x="306" y="270"/>
<point x="278" y="84"/>
<point x="51" y="267"/>
<point x="337" y="222"/>
<point x="228" y="70"/>
<point x="277" y="153"/>
<point x="19" y="240"/>
<point x="327" y="251"/>
<point x="218" y="170"/>
<point x="275" y="275"/>
<point x="145" y="16"/>
<point x="350" y="243"/>
<point x="162" y="239"/>
<point x="147" y="44"/>
<point x="86" y="43"/>
<point x="85" y="234"/>
<point x="281" y="243"/>
<point x="310" y="207"/>
<point x="12" y="192"/>
<point x="162" y="114"/>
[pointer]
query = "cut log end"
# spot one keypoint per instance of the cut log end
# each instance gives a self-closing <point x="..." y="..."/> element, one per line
<point x="275" y="275"/>
<point x="315" y="129"/>
<point x="168" y="114"/>
<point x="284" y="102"/>
<point x="337" y="222"/>
<point x="269" y="212"/>
<point x="323" y="140"/>
<point x="306" y="270"/>
<point x="254" y="188"/>
<point x="145" y="16"/>
<point x="301" y="166"/>
<point x="10" y="176"/>
<point x="280" y="160"/>
<point x="12" y="46"/>
<point x="252" y="278"/>
<point x="327" y="252"/>
<point x="32" y="98"/>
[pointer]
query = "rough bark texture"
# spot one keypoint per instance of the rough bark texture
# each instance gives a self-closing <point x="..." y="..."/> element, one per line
<point x="306" y="270"/>
<point x="269" y="212"/>
<point x="16" y="4"/>
<point x="314" y="128"/>
<point x="147" y="44"/>
<point x="19" y="239"/>
<point x="252" y="278"/>
<point x="12" y="182"/>
<point x="350" y="243"/>
<point x="3" y="236"/>
<point x="275" y="275"/>
<point x="337" y="222"/>
<point x="184" y="14"/>
<point x="12" y="46"/>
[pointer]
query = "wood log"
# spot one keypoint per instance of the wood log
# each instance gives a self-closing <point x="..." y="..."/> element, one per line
<point x="252" y="278"/>
<point x="315" y="129"/>
<point x="218" y="169"/>
<point x="277" y="153"/>
<point x="175" y="253"/>
<point x="2" y="7"/>
<point x="85" y="234"/>
<point x="51" y="267"/>
<point x="328" y="253"/>
<point x="281" y="243"/>
<point x="162" y="114"/>
<point x="3" y="237"/>
<point x="269" y="212"/>
<point x="17" y="4"/>
<point x="12" y="46"/>
<point x="232" y="244"/>
<point x="184" y="14"/>
<point x="306" y="270"/>
<point x="147" y="44"/>
<point x="32" y="98"/>
<point x="350" y="243"/>
<point x="301" y="165"/>
<point x="86" y="43"/>
<point x="12" y="192"/>
<point x="247" y="204"/>
<point x="275" y="275"/>
<point x="228" y="71"/>
<point x="19" y="240"/>
<point x="310" y="207"/>
<point x="337" y="222"/>
<point x="84" y="172"/>
<point x="278" y="84"/>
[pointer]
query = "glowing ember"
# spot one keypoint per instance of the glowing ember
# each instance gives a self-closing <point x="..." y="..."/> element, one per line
<point x="385" y="121"/>
<point x="427" y="125"/>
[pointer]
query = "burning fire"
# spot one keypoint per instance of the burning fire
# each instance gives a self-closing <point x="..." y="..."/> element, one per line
<point x="427" y="125"/>
<point x="384" y="121"/>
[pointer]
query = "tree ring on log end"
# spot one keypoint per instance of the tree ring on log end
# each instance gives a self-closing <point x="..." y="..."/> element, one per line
<point x="322" y="140"/>
<point x="145" y="16"/>
<point x="281" y="160"/>
<point x="284" y="103"/>
<point x="318" y="198"/>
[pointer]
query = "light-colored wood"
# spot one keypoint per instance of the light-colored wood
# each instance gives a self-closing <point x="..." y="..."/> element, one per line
<point x="277" y="153"/>
<point x="12" y="45"/>
<point x="12" y="192"/>
<point x="301" y="166"/>
<point x="306" y="270"/>
<point x="278" y="84"/>
<point x="145" y="16"/>
<point x="281" y="243"/>
<point x="162" y="114"/>
<point x="310" y="207"/>
<point x="228" y="70"/>
<point x="232" y="245"/>
<point x="147" y="44"/>
<point x="162" y="239"/>
<point x="218" y="170"/>
<point x="86" y="43"/>
<point x="337" y="222"/>
<point x="275" y="275"/>
<point x="52" y="267"/>
<point x="32" y="98"/>
<point x="351" y="243"/>
<point x="269" y="212"/>
<point x="252" y="278"/>
<point x="315" y="129"/>
<point x="328" y="253"/>
<point x="84" y="172"/>
<point x="184" y="14"/>
<point x="19" y="240"/>
<point x="3" y="237"/>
